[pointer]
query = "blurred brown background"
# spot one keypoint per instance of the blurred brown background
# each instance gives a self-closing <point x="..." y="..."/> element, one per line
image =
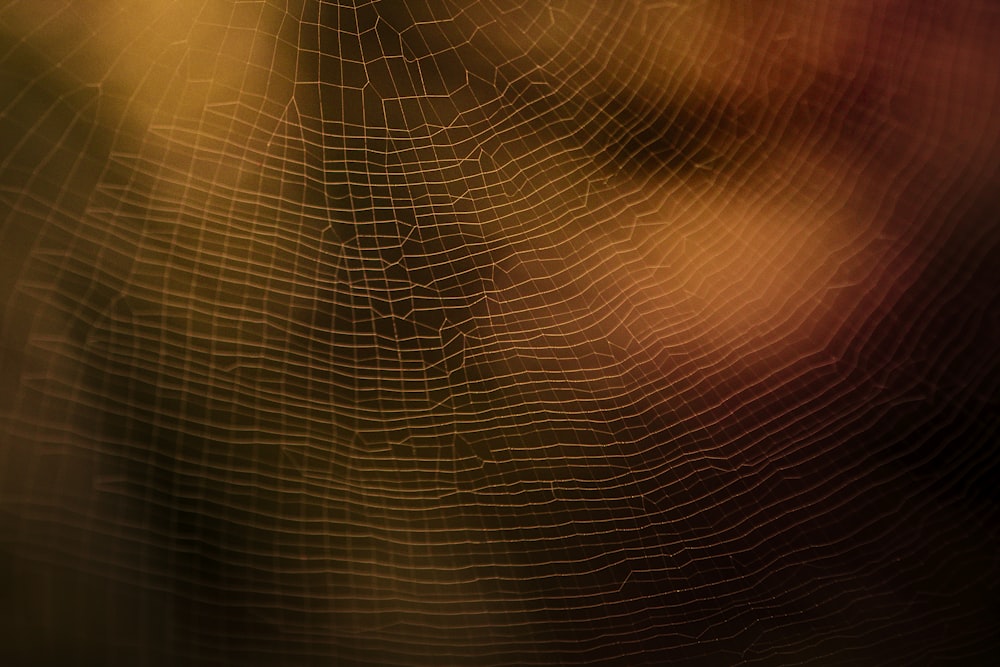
<point x="498" y="333"/>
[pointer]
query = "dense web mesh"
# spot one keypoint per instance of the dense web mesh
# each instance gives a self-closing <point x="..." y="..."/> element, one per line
<point x="494" y="333"/>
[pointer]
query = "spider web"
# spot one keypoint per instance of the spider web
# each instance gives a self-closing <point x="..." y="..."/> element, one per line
<point x="498" y="333"/>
